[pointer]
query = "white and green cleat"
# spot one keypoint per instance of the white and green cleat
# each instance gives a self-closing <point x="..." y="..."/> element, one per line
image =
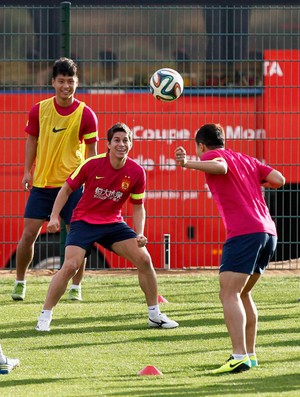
<point x="19" y="291"/>
<point x="75" y="294"/>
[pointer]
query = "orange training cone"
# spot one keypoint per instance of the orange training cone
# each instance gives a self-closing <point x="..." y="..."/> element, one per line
<point x="150" y="370"/>
<point x="161" y="299"/>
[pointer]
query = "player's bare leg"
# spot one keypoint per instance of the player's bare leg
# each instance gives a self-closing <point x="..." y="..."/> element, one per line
<point x="252" y="318"/>
<point x="25" y="249"/>
<point x="231" y="285"/>
<point x="75" y="288"/>
<point x="140" y="257"/>
<point x="74" y="257"/>
<point x="24" y="255"/>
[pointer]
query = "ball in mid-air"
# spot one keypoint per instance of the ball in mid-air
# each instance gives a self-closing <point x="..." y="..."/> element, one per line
<point x="166" y="85"/>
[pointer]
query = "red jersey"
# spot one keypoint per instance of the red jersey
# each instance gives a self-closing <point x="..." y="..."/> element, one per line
<point x="106" y="189"/>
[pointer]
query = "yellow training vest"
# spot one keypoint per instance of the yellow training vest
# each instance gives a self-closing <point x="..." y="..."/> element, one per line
<point x="59" y="150"/>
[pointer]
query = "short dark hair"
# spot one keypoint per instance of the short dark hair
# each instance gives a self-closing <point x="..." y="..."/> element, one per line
<point x="119" y="127"/>
<point x="64" y="66"/>
<point x="211" y="135"/>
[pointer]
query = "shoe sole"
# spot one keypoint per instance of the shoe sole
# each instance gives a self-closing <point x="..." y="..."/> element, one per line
<point x="240" y="368"/>
<point x="164" y="326"/>
<point x="17" y="298"/>
<point x="7" y="371"/>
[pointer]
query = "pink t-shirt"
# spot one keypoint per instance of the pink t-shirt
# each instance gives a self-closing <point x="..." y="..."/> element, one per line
<point x="106" y="189"/>
<point x="238" y="194"/>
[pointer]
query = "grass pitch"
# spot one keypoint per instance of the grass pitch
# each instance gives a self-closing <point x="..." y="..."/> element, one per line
<point x="97" y="347"/>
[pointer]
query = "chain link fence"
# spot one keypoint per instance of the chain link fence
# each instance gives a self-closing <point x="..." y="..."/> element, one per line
<point x="240" y="67"/>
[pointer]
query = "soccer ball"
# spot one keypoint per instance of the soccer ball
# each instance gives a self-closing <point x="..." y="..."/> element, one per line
<point x="166" y="85"/>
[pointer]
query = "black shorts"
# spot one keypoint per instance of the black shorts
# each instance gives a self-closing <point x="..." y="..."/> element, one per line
<point x="249" y="253"/>
<point x="84" y="235"/>
<point x="41" y="200"/>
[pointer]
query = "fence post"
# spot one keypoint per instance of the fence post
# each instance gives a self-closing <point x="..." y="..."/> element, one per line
<point x="65" y="37"/>
<point x="65" y="51"/>
<point x="167" y="239"/>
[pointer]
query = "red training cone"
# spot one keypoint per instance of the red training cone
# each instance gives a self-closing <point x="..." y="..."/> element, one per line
<point x="161" y="299"/>
<point x="149" y="370"/>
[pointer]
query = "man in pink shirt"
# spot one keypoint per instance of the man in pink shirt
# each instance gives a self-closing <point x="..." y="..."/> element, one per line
<point x="235" y="181"/>
<point x="110" y="179"/>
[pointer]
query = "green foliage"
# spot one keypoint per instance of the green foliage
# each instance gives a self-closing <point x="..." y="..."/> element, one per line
<point x="96" y="347"/>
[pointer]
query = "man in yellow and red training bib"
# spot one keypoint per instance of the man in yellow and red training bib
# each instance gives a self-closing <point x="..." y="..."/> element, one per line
<point x="62" y="131"/>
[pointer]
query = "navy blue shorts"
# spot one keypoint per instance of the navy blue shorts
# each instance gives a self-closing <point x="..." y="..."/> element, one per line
<point x="249" y="253"/>
<point x="41" y="200"/>
<point x="84" y="235"/>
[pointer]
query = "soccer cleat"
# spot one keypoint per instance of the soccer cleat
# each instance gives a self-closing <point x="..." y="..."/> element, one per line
<point x="234" y="366"/>
<point x="254" y="362"/>
<point x="162" y="321"/>
<point x="9" y="365"/>
<point x="19" y="292"/>
<point x="75" y="294"/>
<point x="43" y="324"/>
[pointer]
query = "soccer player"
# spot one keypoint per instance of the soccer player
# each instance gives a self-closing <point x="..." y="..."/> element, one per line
<point x="62" y="131"/>
<point x="7" y="364"/>
<point x="109" y="179"/>
<point x="235" y="181"/>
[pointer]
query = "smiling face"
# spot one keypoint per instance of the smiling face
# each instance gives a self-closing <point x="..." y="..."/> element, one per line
<point x="65" y="87"/>
<point x="120" y="145"/>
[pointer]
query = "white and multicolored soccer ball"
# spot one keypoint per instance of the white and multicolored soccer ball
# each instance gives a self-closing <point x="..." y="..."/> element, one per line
<point x="166" y="85"/>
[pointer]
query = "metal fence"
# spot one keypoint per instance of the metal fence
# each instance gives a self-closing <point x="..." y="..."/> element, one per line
<point x="240" y="67"/>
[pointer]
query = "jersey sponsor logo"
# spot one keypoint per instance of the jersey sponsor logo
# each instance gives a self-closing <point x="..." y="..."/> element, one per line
<point x="105" y="194"/>
<point x="58" y="129"/>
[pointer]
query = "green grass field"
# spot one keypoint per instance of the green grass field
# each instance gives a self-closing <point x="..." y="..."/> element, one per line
<point x="97" y="347"/>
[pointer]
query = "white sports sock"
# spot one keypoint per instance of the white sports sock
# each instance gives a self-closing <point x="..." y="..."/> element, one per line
<point x="20" y="282"/>
<point x="239" y="356"/>
<point x="2" y="356"/>
<point x="251" y="354"/>
<point x="75" y="286"/>
<point x="153" y="311"/>
<point x="47" y="313"/>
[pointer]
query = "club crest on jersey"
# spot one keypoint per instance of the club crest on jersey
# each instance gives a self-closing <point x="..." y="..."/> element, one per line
<point x="125" y="183"/>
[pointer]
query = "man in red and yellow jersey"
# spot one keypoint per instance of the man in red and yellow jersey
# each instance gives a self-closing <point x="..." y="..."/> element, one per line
<point x="62" y="132"/>
<point x="109" y="179"/>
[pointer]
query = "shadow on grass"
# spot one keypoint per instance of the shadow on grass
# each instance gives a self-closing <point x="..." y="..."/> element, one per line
<point x="137" y="322"/>
<point x="30" y="381"/>
<point x="227" y="385"/>
<point x="103" y="324"/>
<point x="155" y="339"/>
